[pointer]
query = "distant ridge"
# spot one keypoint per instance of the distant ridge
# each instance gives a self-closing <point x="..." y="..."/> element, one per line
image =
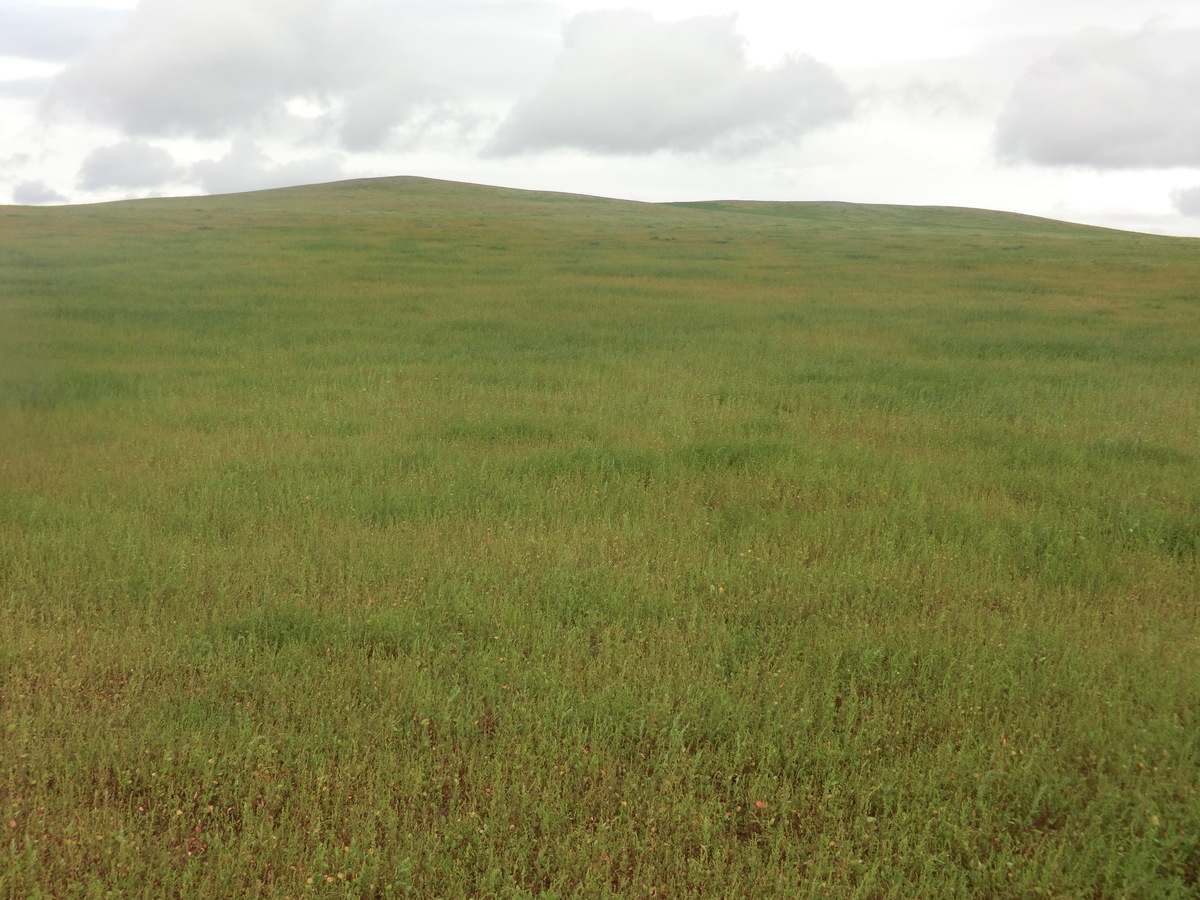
<point x="859" y="215"/>
<point x="383" y="193"/>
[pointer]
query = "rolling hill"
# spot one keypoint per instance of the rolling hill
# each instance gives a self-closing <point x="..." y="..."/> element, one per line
<point x="407" y="538"/>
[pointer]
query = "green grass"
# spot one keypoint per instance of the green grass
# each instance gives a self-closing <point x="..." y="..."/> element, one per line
<point x="409" y="539"/>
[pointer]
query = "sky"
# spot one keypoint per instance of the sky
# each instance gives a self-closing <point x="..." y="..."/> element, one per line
<point x="1081" y="110"/>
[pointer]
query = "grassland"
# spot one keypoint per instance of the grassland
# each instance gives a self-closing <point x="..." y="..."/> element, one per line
<point x="407" y="539"/>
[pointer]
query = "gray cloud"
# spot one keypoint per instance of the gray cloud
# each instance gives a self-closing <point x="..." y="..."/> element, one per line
<point x="214" y="68"/>
<point x="370" y="113"/>
<point x="37" y="193"/>
<point x="627" y="84"/>
<point x="1187" y="201"/>
<point x="248" y="168"/>
<point x="1109" y="100"/>
<point x="130" y="164"/>
<point x="54" y="33"/>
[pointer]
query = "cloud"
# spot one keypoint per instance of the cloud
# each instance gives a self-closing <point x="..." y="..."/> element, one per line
<point x="215" y="68"/>
<point x="54" y="33"/>
<point x="24" y="88"/>
<point x="369" y="114"/>
<point x="130" y="164"/>
<point x="936" y="97"/>
<point x="1109" y="100"/>
<point x="198" y="68"/>
<point x="627" y="84"/>
<point x="36" y="193"/>
<point x="248" y="168"/>
<point x="1187" y="201"/>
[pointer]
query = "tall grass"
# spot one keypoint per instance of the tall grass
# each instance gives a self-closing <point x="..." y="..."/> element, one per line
<point x="402" y="538"/>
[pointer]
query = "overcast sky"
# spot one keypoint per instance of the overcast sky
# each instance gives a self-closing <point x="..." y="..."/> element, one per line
<point x="1084" y="110"/>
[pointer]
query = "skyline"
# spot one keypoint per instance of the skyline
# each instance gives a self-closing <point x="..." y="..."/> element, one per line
<point x="1083" y="112"/>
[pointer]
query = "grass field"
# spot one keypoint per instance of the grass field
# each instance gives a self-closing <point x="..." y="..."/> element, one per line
<point x="399" y="538"/>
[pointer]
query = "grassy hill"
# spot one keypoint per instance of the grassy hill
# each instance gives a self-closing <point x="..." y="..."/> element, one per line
<point x="414" y="539"/>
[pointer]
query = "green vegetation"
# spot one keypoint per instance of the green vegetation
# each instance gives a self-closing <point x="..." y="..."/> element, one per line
<point x="407" y="539"/>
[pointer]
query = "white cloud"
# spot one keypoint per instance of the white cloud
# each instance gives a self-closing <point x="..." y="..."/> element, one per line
<point x="248" y="168"/>
<point x="24" y="88"/>
<point x="37" y="193"/>
<point x="627" y="84"/>
<point x="1109" y="100"/>
<point x="216" y="68"/>
<point x="198" y="68"/>
<point x="129" y="164"/>
<point x="1186" y="201"/>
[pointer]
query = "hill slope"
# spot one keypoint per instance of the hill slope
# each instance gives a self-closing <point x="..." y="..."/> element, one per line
<point x="404" y="538"/>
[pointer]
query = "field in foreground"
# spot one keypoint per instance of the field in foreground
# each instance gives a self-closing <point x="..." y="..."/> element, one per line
<point x="407" y="539"/>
